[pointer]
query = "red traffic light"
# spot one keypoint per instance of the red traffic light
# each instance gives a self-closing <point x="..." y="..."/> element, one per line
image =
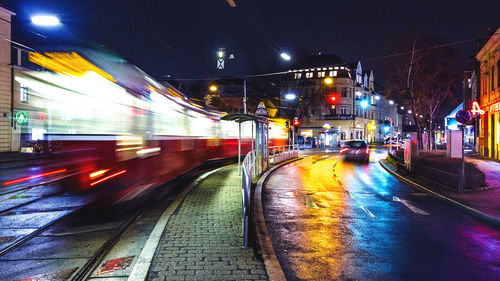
<point x="331" y="99"/>
<point x="296" y="122"/>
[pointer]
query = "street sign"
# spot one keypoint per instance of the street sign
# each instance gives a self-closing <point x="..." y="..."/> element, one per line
<point x="261" y="110"/>
<point x="21" y="117"/>
<point x="463" y="116"/>
<point x="220" y="63"/>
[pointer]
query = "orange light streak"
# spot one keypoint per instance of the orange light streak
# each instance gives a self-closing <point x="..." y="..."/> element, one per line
<point x="98" y="173"/>
<point x="108" y="177"/>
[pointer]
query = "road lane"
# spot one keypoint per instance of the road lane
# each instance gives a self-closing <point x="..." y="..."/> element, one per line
<point x="330" y="224"/>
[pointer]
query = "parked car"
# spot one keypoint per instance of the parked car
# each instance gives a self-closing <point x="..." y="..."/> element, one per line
<point x="357" y="150"/>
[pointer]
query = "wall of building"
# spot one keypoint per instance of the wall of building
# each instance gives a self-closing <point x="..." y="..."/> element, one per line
<point x="489" y="92"/>
<point x="5" y="82"/>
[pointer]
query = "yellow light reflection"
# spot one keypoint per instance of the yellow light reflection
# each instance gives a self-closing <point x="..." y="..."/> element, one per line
<point x="67" y="63"/>
<point x="98" y="173"/>
<point x="323" y="231"/>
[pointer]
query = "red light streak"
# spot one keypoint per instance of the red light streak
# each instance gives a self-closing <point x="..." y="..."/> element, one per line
<point x="34" y="177"/>
<point x="108" y="177"/>
<point x="343" y="150"/>
<point x="367" y="151"/>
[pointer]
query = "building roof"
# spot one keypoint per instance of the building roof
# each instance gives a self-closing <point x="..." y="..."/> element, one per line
<point x="318" y="61"/>
<point x="493" y="40"/>
<point x="7" y="9"/>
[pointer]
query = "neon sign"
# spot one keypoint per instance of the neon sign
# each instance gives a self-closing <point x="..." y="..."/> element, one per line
<point x="476" y="109"/>
<point x="495" y="107"/>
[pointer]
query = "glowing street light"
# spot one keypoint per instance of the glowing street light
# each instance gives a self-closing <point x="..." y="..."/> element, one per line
<point x="359" y="94"/>
<point x="213" y="88"/>
<point x="409" y="111"/>
<point x="290" y="96"/>
<point x="364" y="104"/>
<point x="391" y="102"/>
<point x="377" y="97"/>
<point x="286" y="56"/>
<point x="328" y="80"/>
<point x="45" y="20"/>
<point x="402" y="108"/>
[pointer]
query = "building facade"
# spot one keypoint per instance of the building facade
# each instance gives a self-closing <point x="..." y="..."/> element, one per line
<point x="6" y="92"/>
<point x="489" y="97"/>
<point x="334" y="103"/>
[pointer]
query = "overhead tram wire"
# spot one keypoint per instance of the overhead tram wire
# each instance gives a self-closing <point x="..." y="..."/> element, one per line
<point x="366" y="59"/>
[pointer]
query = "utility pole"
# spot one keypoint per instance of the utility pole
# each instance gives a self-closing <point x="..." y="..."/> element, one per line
<point x="245" y="96"/>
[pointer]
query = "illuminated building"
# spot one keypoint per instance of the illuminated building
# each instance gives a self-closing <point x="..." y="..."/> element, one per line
<point x="335" y="102"/>
<point x="489" y="97"/>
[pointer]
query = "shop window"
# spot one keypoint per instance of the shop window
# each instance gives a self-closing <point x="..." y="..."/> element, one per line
<point x="498" y="128"/>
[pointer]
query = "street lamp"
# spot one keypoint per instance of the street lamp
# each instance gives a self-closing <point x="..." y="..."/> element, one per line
<point x="290" y="96"/>
<point x="213" y="88"/>
<point x="328" y="80"/>
<point x="364" y="104"/>
<point x="391" y="102"/>
<point x="45" y="20"/>
<point x="285" y="56"/>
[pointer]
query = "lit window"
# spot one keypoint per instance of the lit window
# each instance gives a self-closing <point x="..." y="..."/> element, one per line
<point x="336" y="67"/>
<point x="23" y="93"/>
<point x="309" y="75"/>
<point x="298" y="75"/>
<point x="321" y="74"/>
<point x="330" y="68"/>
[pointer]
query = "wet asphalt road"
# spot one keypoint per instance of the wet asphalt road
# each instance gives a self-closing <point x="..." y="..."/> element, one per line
<point x="357" y="222"/>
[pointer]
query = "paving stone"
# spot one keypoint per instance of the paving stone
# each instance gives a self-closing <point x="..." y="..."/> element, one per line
<point x="203" y="238"/>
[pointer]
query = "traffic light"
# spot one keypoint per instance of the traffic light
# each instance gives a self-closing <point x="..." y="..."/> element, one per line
<point x="387" y="126"/>
<point x="287" y="124"/>
<point x="296" y="123"/>
<point x="331" y="99"/>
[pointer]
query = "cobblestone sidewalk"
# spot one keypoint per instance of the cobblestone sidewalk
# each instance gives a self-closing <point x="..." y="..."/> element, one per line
<point x="203" y="238"/>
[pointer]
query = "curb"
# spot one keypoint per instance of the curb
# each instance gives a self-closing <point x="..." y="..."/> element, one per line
<point x="474" y="212"/>
<point x="273" y="267"/>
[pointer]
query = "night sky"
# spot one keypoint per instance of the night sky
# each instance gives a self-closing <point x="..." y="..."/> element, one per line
<point x="180" y="38"/>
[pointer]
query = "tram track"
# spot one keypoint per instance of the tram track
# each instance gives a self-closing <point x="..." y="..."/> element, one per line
<point x="103" y="230"/>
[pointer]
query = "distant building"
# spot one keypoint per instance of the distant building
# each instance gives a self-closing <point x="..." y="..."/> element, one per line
<point x="334" y="102"/>
<point x="489" y="97"/>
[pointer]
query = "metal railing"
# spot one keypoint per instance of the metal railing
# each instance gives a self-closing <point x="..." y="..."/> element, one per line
<point x="282" y="153"/>
<point x="249" y="171"/>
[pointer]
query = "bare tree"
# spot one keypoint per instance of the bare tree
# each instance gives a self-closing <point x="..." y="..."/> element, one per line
<point x="421" y="77"/>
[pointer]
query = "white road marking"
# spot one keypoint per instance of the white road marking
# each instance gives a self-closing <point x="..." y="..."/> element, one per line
<point x="141" y="267"/>
<point x="368" y="212"/>
<point x="414" y="209"/>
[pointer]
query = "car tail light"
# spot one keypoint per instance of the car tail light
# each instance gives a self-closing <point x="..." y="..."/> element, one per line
<point x="343" y="150"/>
<point x="367" y="151"/>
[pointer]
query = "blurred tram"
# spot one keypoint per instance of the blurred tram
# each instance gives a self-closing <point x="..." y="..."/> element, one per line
<point x="120" y="131"/>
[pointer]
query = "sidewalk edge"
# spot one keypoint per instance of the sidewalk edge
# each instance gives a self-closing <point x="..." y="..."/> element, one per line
<point x="474" y="212"/>
<point x="140" y="270"/>
<point x="273" y="267"/>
